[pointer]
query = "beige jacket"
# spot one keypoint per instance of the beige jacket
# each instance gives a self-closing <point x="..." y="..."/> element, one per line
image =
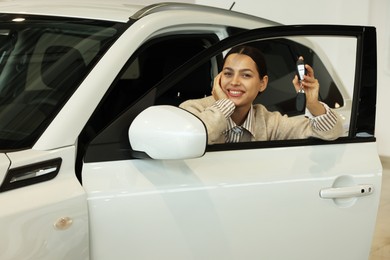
<point x="267" y="125"/>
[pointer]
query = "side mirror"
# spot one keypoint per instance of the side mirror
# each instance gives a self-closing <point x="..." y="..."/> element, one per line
<point x="168" y="132"/>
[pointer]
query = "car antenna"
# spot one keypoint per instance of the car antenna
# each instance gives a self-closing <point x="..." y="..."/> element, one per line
<point x="231" y="7"/>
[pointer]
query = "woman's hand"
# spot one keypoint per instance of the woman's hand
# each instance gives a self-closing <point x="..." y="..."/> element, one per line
<point x="311" y="87"/>
<point x="217" y="91"/>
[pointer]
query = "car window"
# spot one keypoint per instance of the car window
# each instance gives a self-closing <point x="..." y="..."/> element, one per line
<point x="281" y="54"/>
<point x="42" y="62"/>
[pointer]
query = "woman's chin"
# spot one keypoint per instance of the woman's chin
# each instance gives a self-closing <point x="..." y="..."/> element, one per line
<point x="235" y="100"/>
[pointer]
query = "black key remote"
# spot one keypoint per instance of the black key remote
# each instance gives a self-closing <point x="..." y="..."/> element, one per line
<point x="300" y="100"/>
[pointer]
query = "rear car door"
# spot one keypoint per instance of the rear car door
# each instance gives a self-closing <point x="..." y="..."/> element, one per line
<point x="295" y="199"/>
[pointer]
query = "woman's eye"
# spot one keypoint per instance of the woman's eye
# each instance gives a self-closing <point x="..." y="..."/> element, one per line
<point x="227" y="74"/>
<point x="247" y="75"/>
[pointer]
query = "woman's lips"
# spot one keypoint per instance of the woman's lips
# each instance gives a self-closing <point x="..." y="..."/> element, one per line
<point x="235" y="93"/>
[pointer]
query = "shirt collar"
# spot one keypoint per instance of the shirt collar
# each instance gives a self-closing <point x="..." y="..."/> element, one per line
<point x="247" y="125"/>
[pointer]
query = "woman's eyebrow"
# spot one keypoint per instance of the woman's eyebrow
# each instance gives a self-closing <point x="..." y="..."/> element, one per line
<point x="241" y="70"/>
<point x="245" y="70"/>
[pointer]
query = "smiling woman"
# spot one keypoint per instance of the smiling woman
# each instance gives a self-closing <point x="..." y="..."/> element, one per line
<point x="230" y="116"/>
<point x="242" y="81"/>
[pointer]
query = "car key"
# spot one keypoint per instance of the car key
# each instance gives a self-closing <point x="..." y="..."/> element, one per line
<point x="300" y="100"/>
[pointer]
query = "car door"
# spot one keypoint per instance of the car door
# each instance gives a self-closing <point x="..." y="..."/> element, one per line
<point x="287" y="199"/>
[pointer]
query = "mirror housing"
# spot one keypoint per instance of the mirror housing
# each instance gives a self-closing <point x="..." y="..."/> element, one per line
<point x="168" y="132"/>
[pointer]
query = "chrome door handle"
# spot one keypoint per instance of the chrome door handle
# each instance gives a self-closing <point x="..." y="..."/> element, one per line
<point x="347" y="192"/>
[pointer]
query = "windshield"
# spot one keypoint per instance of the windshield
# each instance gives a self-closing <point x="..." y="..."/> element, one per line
<point x="42" y="62"/>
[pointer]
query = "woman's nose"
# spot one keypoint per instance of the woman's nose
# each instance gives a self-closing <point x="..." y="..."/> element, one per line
<point x="235" y="81"/>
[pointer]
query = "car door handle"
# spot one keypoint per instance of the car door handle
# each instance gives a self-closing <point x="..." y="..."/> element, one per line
<point x="347" y="192"/>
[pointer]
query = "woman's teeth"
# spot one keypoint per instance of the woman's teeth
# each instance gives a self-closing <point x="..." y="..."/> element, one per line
<point x="235" y="93"/>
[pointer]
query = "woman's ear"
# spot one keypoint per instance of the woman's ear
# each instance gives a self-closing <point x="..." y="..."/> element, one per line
<point x="263" y="83"/>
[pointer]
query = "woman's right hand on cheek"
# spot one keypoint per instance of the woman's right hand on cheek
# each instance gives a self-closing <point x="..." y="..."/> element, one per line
<point x="217" y="91"/>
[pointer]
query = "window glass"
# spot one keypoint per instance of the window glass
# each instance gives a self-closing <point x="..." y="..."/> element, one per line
<point x="42" y="62"/>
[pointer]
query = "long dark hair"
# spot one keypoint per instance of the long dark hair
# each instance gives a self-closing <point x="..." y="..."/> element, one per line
<point x="255" y="54"/>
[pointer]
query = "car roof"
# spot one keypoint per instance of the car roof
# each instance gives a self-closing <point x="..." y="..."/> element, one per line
<point x="112" y="10"/>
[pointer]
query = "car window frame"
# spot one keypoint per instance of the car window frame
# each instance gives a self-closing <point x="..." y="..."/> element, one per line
<point x="362" y="125"/>
<point x="365" y="84"/>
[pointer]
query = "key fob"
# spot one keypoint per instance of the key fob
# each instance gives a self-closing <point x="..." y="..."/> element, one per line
<point x="300" y="101"/>
<point x="301" y="71"/>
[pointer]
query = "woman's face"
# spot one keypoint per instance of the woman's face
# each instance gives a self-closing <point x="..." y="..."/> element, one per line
<point x="240" y="80"/>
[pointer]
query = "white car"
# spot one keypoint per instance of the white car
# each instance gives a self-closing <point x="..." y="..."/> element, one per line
<point x="98" y="162"/>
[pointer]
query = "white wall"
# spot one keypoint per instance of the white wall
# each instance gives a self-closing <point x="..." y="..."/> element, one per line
<point x="379" y="16"/>
<point x="349" y="12"/>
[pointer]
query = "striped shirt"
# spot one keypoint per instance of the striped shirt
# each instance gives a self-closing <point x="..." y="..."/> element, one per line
<point x="244" y="133"/>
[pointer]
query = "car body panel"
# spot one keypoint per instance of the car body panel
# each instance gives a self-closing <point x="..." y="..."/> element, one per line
<point x="32" y="216"/>
<point x="112" y="11"/>
<point x="234" y="205"/>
